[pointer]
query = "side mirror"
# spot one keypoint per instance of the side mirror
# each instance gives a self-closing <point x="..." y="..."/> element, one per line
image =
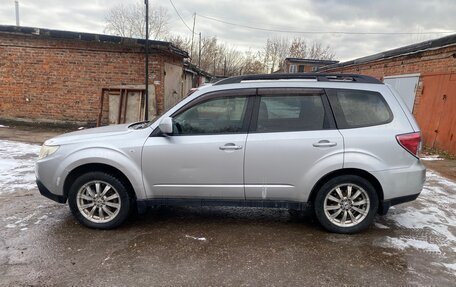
<point x="166" y="126"/>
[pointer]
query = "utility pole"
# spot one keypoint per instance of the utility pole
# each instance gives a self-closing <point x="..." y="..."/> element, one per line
<point x="199" y="51"/>
<point x="16" y="5"/>
<point x="146" y="50"/>
<point x="193" y="34"/>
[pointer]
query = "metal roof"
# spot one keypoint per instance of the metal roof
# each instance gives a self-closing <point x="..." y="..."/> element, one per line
<point x="90" y="37"/>
<point x="194" y="68"/>
<point x="311" y="61"/>
<point x="410" y="49"/>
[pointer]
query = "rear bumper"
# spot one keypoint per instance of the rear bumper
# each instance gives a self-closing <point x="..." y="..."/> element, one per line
<point x="400" y="185"/>
<point x="403" y="182"/>
<point x="46" y="193"/>
<point x="386" y="204"/>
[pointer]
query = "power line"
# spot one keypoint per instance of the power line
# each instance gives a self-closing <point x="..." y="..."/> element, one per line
<point x="177" y="12"/>
<point x="322" y="32"/>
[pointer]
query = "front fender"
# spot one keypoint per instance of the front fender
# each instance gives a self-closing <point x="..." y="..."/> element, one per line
<point x="128" y="162"/>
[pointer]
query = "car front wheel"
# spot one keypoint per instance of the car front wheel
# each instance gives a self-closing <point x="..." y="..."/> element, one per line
<point x="346" y="204"/>
<point x="99" y="200"/>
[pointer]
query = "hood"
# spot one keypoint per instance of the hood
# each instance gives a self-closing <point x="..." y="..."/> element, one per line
<point x="90" y="134"/>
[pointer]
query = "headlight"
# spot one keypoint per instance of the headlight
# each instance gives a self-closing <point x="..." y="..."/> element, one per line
<point x="47" y="150"/>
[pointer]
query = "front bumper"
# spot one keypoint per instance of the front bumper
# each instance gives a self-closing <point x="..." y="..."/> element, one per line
<point x="46" y="193"/>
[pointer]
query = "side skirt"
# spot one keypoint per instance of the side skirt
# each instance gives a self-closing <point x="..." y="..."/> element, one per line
<point x="143" y="204"/>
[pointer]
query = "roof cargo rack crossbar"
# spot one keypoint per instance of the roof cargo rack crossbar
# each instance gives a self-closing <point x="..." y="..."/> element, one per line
<point x="302" y="76"/>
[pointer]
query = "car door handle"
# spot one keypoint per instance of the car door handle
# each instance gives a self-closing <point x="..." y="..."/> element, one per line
<point x="230" y="146"/>
<point x="324" y="143"/>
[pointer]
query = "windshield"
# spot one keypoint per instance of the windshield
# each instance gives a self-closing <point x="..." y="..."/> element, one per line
<point x="146" y="124"/>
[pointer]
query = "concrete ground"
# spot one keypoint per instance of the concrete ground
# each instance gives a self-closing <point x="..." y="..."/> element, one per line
<point x="41" y="244"/>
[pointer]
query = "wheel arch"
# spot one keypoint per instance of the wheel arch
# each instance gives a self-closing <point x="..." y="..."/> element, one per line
<point x="349" y="171"/>
<point x="90" y="167"/>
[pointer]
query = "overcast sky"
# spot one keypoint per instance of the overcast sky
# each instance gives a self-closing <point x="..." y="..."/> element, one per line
<point x="296" y="15"/>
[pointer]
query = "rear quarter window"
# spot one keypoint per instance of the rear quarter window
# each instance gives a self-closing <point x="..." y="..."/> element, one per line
<point x="357" y="108"/>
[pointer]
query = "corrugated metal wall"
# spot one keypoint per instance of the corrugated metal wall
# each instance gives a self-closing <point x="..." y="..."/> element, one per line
<point x="436" y="113"/>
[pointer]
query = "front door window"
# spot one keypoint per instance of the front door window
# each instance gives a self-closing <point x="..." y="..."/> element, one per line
<point x="215" y="116"/>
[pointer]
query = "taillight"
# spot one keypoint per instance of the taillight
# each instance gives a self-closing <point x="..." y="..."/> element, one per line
<point x="410" y="142"/>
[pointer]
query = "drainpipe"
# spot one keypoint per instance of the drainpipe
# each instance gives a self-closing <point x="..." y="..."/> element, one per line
<point x="146" y="50"/>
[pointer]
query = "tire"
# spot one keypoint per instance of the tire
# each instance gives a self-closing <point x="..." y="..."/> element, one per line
<point x="99" y="207"/>
<point x="351" y="196"/>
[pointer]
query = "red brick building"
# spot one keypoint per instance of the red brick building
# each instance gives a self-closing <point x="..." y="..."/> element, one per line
<point x="425" y="76"/>
<point x="54" y="76"/>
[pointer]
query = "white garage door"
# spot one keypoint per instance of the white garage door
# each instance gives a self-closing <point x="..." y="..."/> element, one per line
<point x="406" y="86"/>
<point x="173" y="85"/>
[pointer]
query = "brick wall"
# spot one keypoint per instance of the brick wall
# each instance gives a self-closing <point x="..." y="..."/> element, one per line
<point x="438" y="61"/>
<point x="308" y="68"/>
<point x="441" y="60"/>
<point x="435" y="121"/>
<point x="60" y="80"/>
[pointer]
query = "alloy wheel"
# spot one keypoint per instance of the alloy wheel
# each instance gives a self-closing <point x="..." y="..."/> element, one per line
<point x="98" y="201"/>
<point x="346" y="205"/>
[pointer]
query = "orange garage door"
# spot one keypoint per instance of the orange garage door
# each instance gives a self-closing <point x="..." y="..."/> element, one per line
<point x="436" y="112"/>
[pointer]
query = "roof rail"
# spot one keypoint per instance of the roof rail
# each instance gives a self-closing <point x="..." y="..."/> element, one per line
<point x="301" y="76"/>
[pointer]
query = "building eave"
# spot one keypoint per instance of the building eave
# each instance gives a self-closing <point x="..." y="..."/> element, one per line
<point x="91" y="37"/>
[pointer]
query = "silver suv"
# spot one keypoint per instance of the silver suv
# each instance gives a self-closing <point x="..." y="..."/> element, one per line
<point x="344" y="145"/>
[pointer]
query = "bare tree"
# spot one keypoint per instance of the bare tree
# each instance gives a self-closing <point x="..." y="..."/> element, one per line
<point x="180" y="42"/>
<point x="277" y="49"/>
<point x="298" y="48"/>
<point x="318" y="51"/>
<point x="252" y="63"/>
<point x="222" y="60"/>
<point x="219" y="58"/>
<point x="128" y="20"/>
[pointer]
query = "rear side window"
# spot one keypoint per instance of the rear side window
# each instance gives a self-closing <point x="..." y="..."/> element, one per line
<point x="291" y="112"/>
<point x="356" y="108"/>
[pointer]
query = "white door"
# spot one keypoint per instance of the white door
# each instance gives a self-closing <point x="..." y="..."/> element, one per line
<point x="406" y="86"/>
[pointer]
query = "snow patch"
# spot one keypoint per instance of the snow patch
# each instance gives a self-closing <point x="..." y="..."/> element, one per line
<point x="450" y="266"/>
<point x="381" y="226"/>
<point x="2" y="126"/>
<point x="196" y="238"/>
<point x="434" y="207"/>
<point x="17" y="166"/>
<point x="27" y="218"/>
<point x="432" y="212"/>
<point x="403" y="243"/>
<point x="434" y="176"/>
<point x="41" y="219"/>
<point x="431" y="157"/>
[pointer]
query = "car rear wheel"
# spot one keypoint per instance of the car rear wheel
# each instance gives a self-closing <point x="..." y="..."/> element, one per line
<point x="346" y="204"/>
<point x="99" y="200"/>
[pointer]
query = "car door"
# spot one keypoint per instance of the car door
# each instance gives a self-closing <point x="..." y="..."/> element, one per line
<point x="292" y="143"/>
<point x="204" y="156"/>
